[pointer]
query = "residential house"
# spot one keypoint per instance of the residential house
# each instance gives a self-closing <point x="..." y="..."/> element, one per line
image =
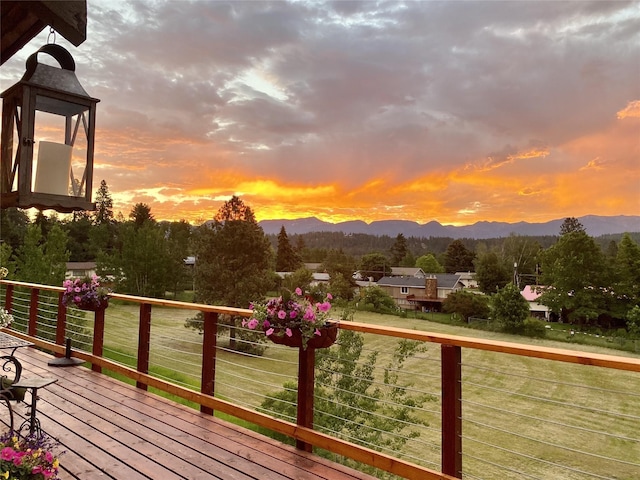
<point x="395" y="272"/>
<point x="80" y="269"/>
<point x="425" y="294"/>
<point x="468" y="279"/>
<point x="317" y="278"/>
<point x="407" y="272"/>
<point x="531" y="294"/>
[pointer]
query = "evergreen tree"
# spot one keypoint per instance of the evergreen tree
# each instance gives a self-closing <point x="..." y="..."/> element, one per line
<point x="627" y="274"/>
<point x="13" y="226"/>
<point x="287" y="259"/>
<point x="178" y="235"/>
<point x="78" y="230"/>
<point x="337" y="263"/>
<point x="140" y="213"/>
<point x="491" y="273"/>
<point x="233" y="258"/>
<point x="233" y="268"/>
<point x="104" y="205"/>
<point x="399" y="250"/>
<point x="458" y="258"/>
<point x="571" y="225"/>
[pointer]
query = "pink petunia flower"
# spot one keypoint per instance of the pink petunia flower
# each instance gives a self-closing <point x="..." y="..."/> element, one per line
<point x="269" y="332"/>
<point x="298" y="291"/>
<point x="282" y="314"/>
<point x="7" y="453"/>
<point x="288" y="332"/>
<point x="324" y="307"/>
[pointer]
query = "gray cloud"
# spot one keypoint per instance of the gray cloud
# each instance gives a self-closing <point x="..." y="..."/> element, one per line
<point x="352" y="91"/>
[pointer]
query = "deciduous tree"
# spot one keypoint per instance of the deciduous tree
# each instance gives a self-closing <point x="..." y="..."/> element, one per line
<point x="375" y="265"/>
<point x="576" y="279"/>
<point x="429" y="264"/>
<point x="510" y="309"/>
<point x="466" y="304"/>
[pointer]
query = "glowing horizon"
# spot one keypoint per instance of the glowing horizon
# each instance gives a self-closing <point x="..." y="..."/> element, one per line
<point x="449" y="112"/>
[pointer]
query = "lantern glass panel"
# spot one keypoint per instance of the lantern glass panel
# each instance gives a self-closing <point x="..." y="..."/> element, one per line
<point x="62" y="129"/>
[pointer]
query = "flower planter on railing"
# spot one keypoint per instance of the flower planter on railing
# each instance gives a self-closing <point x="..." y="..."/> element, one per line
<point x="295" y="319"/>
<point x="327" y="337"/>
<point x="91" y="306"/>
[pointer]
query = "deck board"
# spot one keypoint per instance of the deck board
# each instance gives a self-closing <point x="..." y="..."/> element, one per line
<point x="112" y="430"/>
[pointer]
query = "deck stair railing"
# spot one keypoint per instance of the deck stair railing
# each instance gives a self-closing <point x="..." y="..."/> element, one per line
<point x="488" y="409"/>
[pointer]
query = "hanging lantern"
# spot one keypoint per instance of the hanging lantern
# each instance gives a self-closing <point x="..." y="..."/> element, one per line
<point x="48" y="117"/>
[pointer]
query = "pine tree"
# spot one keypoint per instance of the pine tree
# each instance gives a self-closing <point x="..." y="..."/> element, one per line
<point x="399" y="250"/>
<point x="287" y="259"/>
<point x="104" y="205"/>
<point x="458" y="258"/>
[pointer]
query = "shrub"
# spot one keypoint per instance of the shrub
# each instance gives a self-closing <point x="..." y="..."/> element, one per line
<point x="534" y="328"/>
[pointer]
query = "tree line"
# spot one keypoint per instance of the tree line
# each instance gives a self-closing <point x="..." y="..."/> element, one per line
<point x="581" y="279"/>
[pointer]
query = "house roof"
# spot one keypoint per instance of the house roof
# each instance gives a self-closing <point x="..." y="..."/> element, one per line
<point x="445" y="280"/>
<point x="81" y="265"/>
<point x="21" y="21"/>
<point x="407" y="272"/>
<point x="530" y="293"/>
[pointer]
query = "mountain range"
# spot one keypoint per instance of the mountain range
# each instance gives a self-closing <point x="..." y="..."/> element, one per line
<point x="594" y="225"/>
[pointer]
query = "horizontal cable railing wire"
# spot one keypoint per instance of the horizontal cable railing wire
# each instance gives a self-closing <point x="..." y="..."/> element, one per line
<point x="557" y="425"/>
<point x="522" y="417"/>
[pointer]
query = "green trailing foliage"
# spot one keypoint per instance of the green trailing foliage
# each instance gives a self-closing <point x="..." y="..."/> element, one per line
<point x="356" y="401"/>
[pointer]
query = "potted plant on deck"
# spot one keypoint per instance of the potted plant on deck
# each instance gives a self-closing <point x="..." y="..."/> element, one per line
<point x="86" y="293"/>
<point x="295" y="319"/>
<point x="28" y="458"/>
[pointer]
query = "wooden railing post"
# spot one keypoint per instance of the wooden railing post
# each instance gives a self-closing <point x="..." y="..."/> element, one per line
<point x="98" y="338"/>
<point x="32" y="328"/>
<point x="8" y="298"/>
<point x="208" y="376"/>
<point x="451" y="368"/>
<point x="306" y="381"/>
<point x="61" y="323"/>
<point x="144" y="341"/>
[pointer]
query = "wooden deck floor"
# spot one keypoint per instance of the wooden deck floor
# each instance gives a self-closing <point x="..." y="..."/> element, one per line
<point x="113" y="430"/>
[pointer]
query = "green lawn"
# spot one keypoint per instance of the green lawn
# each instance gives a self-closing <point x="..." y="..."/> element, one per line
<point x="516" y="410"/>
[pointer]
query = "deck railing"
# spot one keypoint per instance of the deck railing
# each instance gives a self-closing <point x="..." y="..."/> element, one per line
<point x="490" y="409"/>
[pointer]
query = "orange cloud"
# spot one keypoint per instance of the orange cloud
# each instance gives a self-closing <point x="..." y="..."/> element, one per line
<point x="632" y="110"/>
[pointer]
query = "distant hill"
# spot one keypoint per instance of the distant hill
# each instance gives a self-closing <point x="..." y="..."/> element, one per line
<point x="593" y="224"/>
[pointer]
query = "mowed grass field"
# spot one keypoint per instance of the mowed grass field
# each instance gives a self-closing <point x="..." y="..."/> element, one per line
<point x="522" y="417"/>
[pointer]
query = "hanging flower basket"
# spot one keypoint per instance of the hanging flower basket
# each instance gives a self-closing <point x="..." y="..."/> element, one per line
<point x="93" y="306"/>
<point x="325" y="339"/>
<point x="86" y="294"/>
<point x="295" y="319"/>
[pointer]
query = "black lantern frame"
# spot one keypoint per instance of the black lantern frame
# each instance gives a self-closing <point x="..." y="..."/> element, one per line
<point x="50" y="90"/>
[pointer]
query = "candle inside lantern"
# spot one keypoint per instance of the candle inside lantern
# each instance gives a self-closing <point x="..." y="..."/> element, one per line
<point x="54" y="166"/>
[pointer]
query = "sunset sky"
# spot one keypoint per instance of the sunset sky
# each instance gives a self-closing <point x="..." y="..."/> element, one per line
<point x="423" y="110"/>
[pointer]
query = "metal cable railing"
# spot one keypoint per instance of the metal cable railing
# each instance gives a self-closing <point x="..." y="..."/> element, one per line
<point x="529" y="418"/>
